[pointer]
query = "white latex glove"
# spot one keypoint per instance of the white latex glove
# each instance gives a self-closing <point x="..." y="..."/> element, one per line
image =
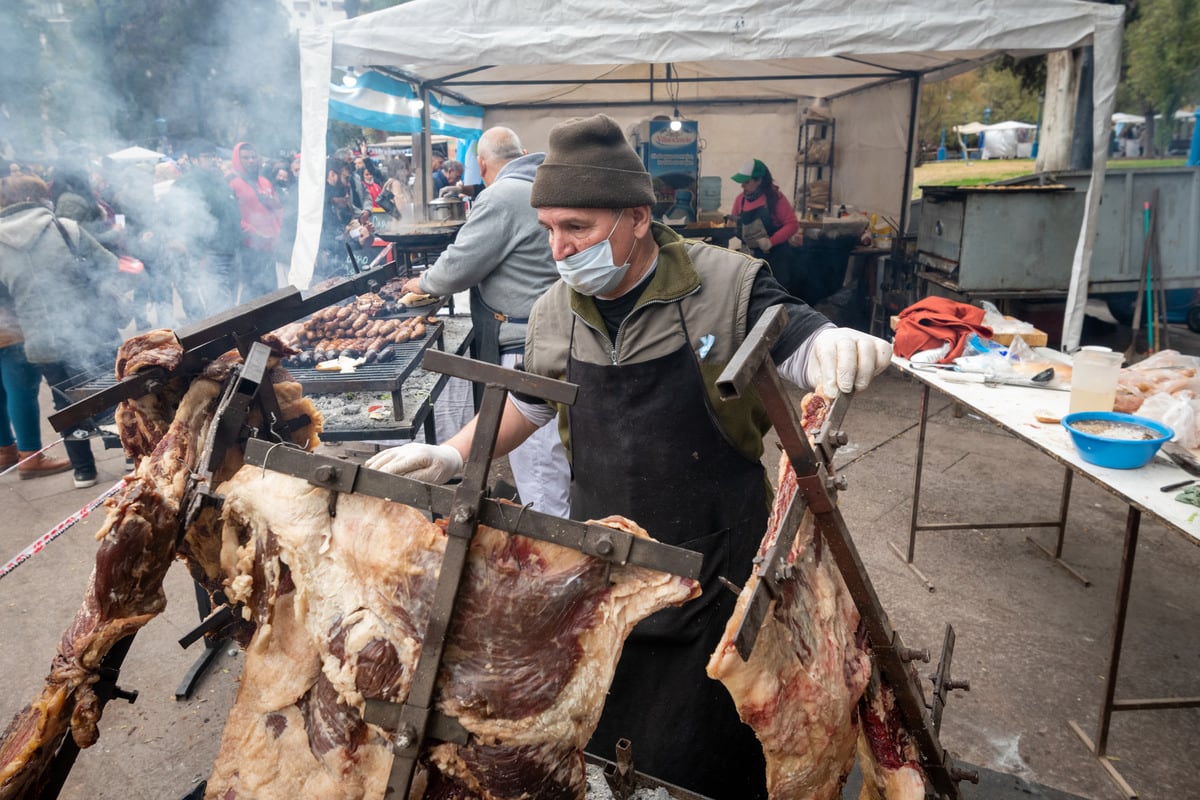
<point x="432" y="463"/>
<point x="843" y="359"/>
<point x="763" y="244"/>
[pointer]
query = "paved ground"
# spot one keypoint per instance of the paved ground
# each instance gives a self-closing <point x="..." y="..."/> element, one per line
<point x="1031" y="639"/>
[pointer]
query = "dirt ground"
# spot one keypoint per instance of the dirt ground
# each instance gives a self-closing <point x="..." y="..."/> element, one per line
<point x="1032" y="640"/>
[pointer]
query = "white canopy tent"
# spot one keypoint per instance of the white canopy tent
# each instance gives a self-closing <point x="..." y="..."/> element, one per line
<point x="134" y="154"/>
<point x="557" y="58"/>
<point x="1001" y="139"/>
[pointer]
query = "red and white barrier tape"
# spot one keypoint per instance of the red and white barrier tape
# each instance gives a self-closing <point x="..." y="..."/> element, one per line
<point x="27" y="458"/>
<point x="58" y="530"/>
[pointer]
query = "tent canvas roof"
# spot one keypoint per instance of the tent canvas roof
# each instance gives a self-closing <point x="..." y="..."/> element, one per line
<point x="1007" y="125"/>
<point x="546" y="53"/>
<point x="135" y="153"/>
<point x="577" y="51"/>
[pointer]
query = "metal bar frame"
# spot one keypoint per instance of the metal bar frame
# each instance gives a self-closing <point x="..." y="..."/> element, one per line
<point x="915" y="525"/>
<point x="1109" y="704"/>
<point x="467" y="506"/>
<point x="751" y="364"/>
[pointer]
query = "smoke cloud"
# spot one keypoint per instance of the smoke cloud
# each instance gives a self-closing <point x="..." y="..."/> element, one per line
<point x="86" y="78"/>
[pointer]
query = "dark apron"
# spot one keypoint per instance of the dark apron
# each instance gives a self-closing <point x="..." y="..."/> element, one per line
<point x="783" y="258"/>
<point x="645" y="444"/>
<point x="485" y="341"/>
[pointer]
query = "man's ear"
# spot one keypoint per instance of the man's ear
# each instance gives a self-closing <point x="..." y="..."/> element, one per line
<point x="641" y="221"/>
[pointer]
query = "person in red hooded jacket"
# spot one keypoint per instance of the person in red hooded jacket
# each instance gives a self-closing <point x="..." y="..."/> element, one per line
<point x="262" y="221"/>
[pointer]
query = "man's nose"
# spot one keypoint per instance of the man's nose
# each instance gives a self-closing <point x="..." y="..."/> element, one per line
<point x="560" y="248"/>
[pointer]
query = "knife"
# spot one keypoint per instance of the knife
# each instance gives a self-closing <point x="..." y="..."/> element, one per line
<point x="991" y="380"/>
<point x="1182" y="457"/>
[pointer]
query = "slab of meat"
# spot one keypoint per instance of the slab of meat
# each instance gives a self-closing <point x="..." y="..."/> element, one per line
<point x="137" y="545"/>
<point x="341" y="603"/>
<point x="887" y="757"/>
<point x="335" y="607"/>
<point x="802" y="690"/>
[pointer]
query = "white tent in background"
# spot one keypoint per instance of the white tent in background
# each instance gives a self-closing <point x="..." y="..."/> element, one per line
<point x="134" y="153"/>
<point x="1008" y="139"/>
<point x="970" y="129"/>
<point x="1138" y="119"/>
<point x="744" y="71"/>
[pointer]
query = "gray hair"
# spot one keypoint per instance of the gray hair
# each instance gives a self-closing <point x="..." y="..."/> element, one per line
<point x="499" y="144"/>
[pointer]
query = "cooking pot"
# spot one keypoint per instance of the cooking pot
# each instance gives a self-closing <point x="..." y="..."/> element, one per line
<point x="447" y="209"/>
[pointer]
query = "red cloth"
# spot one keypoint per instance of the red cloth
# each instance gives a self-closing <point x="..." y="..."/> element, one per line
<point x="928" y="323"/>
<point x="375" y="189"/>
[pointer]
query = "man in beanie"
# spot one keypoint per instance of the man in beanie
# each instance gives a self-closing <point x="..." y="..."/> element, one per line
<point x="644" y="321"/>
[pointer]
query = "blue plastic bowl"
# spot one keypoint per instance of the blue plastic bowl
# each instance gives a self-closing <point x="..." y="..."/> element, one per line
<point x="1104" y="451"/>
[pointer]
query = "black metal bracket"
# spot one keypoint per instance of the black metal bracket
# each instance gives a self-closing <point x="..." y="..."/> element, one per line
<point x="214" y="622"/>
<point x="943" y="684"/>
<point x="751" y="365"/>
<point x="600" y="541"/>
<point x="465" y="507"/>
<point x="233" y="328"/>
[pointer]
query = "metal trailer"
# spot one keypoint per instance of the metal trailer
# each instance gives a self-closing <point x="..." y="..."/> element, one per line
<point x="1004" y="240"/>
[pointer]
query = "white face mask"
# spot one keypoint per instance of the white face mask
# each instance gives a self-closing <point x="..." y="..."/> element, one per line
<point x="592" y="271"/>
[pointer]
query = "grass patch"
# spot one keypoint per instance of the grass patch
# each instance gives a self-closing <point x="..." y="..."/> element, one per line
<point x="1141" y="163"/>
<point x="976" y="173"/>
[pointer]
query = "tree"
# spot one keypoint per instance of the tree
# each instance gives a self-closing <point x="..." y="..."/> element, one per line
<point x="20" y="117"/>
<point x="1162" y="57"/>
<point x="108" y="70"/>
<point x="963" y="98"/>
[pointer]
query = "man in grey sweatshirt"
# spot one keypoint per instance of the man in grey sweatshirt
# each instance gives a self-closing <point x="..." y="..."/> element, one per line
<point x="503" y="256"/>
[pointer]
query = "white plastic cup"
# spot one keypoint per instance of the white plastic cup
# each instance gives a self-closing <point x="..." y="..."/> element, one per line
<point x="1094" y="379"/>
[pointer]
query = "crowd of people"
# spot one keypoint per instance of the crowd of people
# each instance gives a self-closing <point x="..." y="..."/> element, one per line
<point x="123" y="246"/>
<point x="90" y="250"/>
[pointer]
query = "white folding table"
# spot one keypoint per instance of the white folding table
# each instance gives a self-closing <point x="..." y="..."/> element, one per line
<point x="1013" y="408"/>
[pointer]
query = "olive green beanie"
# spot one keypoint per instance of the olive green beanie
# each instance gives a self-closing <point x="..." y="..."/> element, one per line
<point x="590" y="164"/>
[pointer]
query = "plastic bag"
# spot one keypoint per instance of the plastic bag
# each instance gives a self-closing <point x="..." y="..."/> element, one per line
<point x="996" y="360"/>
<point x="994" y="319"/>
<point x="1180" y="412"/>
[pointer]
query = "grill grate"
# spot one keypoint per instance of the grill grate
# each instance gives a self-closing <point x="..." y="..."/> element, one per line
<point x="387" y="377"/>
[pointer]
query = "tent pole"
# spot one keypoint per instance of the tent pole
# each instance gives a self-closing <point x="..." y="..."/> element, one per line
<point x="913" y="111"/>
<point x="426" y="150"/>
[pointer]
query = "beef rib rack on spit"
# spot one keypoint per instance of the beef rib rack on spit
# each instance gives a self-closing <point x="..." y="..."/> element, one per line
<point x="137" y="545"/>
<point x="340" y="604"/>
<point x="332" y="608"/>
<point x="809" y="682"/>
